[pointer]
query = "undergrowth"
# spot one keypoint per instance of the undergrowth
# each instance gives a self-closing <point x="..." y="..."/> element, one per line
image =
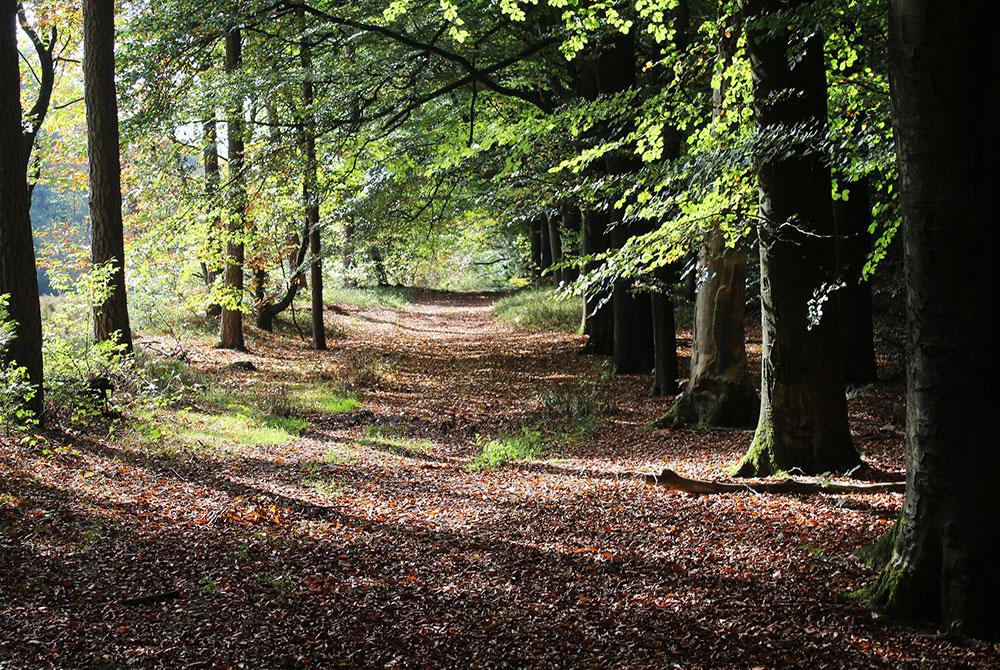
<point x="537" y="309"/>
<point x="565" y="416"/>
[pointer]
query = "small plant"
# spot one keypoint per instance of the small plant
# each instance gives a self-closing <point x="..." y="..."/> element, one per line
<point x="579" y="410"/>
<point x="525" y="446"/>
<point x="366" y="370"/>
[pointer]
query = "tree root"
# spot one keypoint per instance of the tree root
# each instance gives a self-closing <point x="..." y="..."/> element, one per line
<point x="674" y="482"/>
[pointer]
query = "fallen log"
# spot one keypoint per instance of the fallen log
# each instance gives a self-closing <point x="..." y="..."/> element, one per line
<point x="674" y="482"/>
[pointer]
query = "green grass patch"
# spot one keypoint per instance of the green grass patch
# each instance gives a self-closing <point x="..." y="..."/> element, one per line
<point x="391" y="297"/>
<point x="323" y="399"/>
<point x="200" y="430"/>
<point x="396" y="440"/>
<point x="528" y="445"/>
<point x="536" y="309"/>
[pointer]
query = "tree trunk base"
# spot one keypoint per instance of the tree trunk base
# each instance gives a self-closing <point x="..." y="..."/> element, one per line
<point x="732" y="406"/>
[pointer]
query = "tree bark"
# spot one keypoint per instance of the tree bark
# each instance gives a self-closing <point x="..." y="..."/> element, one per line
<point x="803" y="417"/>
<point x="946" y="77"/>
<point x="665" y="368"/>
<point x="231" y="327"/>
<point x="719" y="392"/>
<point x="111" y="321"/>
<point x="854" y="243"/>
<point x="535" y="242"/>
<point x="310" y="194"/>
<point x="18" y="279"/>
<point x="546" y="264"/>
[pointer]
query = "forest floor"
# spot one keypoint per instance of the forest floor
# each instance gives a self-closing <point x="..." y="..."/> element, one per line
<point x="370" y="542"/>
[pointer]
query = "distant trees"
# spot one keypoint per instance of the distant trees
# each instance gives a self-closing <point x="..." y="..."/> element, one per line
<point x="111" y="320"/>
<point x="946" y="72"/>
<point x="18" y="280"/>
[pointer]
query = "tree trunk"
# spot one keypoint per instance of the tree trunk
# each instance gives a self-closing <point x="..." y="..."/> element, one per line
<point x="310" y="193"/>
<point x="633" y="312"/>
<point x="111" y="320"/>
<point x="946" y="75"/>
<point x="18" y="280"/>
<point x="598" y="318"/>
<point x="719" y="391"/>
<point x="535" y="242"/>
<point x="665" y="370"/>
<point x="231" y="330"/>
<point x="803" y="417"/>
<point x="555" y="242"/>
<point x="210" y="158"/>
<point x="269" y="311"/>
<point x="546" y="264"/>
<point x="854" y="243"/>
<point x="381" y="275"/>
<point x="633" y="323"/>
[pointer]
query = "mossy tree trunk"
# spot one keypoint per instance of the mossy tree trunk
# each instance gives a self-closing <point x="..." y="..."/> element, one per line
<point x="543" y="227"/>
<point x="803" y="416"/>
<point x="946" y="74"/>
<point x="18" y="279"/>
<point x="571" y="219"/>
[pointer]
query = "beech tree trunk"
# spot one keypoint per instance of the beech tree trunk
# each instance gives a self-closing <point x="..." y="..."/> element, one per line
<point x="111" y="320"/>
<point x="310" y="195"/>
<point x="632" y="311"/>
<point x="854" y="243"/>
<point x="719" y="391"/>
<point x="231" y="328"/>
<point x="946" y="75"/>
<point x="598" y="317"/>
<point x="803" y="416"/>
<point x="665" y="369"/>
<point x="18" y="280"/>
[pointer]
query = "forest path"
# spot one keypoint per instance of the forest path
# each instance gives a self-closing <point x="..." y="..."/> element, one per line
<point x="369" y="543"/>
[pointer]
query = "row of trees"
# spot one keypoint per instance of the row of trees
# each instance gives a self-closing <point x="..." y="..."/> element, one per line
<point x="622" y="148"/>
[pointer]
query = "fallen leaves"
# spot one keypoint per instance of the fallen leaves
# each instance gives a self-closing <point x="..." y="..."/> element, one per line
<point x="288" y="557"/>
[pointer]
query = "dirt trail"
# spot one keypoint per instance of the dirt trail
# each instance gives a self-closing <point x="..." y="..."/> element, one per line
<point x="341" y="550"/>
